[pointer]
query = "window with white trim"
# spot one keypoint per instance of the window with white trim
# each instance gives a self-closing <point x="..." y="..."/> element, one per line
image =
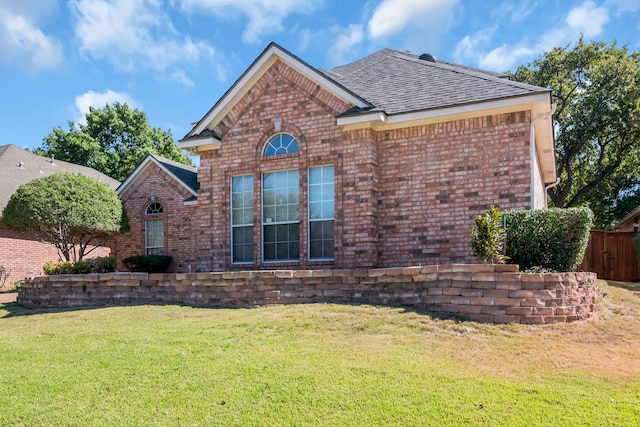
<point x="154" y="229"/>
<point x="321" y="213"/>
<point x="242" y="219"/>
<point x="281" y="216"/>
<point x="281" y="143"/>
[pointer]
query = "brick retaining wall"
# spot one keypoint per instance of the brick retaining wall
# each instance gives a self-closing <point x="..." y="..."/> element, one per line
<point x="478" y="292"/>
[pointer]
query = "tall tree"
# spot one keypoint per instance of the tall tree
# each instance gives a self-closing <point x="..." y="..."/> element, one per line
<point x="114" y="140"/>
<point x="596" y="88"/>
<point x="74" y="213"/>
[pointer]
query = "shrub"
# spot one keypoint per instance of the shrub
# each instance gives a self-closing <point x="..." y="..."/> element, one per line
<point x="86" y="266"/>
<point x="148" y="263"/>
<point x="488" y="236"/>
<point x="552" y="239"/>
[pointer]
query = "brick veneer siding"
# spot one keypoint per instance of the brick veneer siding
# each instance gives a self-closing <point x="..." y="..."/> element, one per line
<point x="402" y="197"/>
<point x="23" y="256"/>
<point x="433" y="181"/>
<point x="180" y="239"/>
<point x="484" y="293"/>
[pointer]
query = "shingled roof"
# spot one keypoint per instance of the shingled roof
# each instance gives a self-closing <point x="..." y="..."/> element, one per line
<point x="18" y="166"/>
<point x="184" y="175"/>
<point x="399" y="82"/>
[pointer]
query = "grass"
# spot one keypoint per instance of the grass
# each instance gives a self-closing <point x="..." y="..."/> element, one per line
<point x="316" y="365"/>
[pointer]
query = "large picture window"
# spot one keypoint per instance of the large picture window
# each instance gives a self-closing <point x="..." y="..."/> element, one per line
<point x="242" y="219"/>
<point x="281" y="216"/>
<point x="154" y="229"/>
<point x="321" y="212"/>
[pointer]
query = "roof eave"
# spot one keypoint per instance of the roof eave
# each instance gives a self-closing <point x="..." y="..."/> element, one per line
<point x="537" y="103"/>
<point x="142" y="167"/>
<point x="267" y="58"/>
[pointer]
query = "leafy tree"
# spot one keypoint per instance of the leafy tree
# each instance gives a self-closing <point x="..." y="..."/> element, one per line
<point x="114" y="140"/>
<point x="596" y="88"/>
<point x="75" y="213"/>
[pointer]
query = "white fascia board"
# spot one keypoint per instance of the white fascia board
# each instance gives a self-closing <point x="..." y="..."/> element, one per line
<point x="200" y="144"/>
<point x="142" y="167"/>
<point x="381" y="121"/>
<point x="257" y="70"/>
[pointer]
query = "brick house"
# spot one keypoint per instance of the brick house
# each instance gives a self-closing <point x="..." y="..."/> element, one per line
<point x="21" y="254"/>
<point x="381" y="162"/>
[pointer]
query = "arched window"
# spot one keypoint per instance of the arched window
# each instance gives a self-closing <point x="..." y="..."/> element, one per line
<point x="282" y="143"/>
<point x="154" y="229"/>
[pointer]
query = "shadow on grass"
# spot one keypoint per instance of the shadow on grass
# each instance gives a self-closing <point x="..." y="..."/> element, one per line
<point x="14" y="309"/>
<point x="630" y="286"/>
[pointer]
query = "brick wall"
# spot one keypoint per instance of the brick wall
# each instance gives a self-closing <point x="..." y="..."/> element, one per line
<point x="484" y="293"/>
<point x="402" y="197"/>
<point x="23" y="256"/>
<point x="435" y="179"/>
<point x="179" y="234"/>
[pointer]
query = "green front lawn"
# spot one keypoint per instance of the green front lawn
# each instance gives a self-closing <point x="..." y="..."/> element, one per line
<point x="316" y="365"/>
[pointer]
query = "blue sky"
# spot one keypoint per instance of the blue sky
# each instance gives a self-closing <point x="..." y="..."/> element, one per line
<point x="174" y="59"/>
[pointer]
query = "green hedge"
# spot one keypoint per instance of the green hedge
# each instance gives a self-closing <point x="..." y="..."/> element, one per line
<point x="148" y="263"/>
<point x="552" y="239"/>
<point x="86" y="266"/>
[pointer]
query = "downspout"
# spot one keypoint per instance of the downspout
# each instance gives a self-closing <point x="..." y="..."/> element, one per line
<point x="533" y="155"/>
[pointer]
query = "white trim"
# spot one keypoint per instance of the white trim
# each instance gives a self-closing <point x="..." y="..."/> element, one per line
<point x="201" y="144"/>
<point x="143" y="166"/>
<point x="257" y="70"/>
<point x="381" y="121"/>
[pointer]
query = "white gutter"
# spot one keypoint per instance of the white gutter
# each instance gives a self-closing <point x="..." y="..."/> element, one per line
<point x="533" y="154"/>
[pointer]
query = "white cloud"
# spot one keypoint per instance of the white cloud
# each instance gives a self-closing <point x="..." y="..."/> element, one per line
<point x="470" y="45"/>
<point x="99" y="100"/>
<point x="623" y="6"/>
<point x="392" y="16"/>
<point x="134" y="34"/>
<point x="22" y="43"/>
<point x="265" y="16"/>
<point x="344" y="42"/>
<point x="504" y="57"/>
<point x="587" y="19"/>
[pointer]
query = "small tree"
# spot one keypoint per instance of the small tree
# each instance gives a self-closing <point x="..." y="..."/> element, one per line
<point x="488" y="236"/>
<point x="74" y="213"/>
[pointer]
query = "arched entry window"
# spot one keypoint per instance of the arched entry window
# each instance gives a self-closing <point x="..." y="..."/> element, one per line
<point x="154" y="229"/>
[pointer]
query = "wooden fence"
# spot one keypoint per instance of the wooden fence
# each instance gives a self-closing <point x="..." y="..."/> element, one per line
<point x="612" y="256"/>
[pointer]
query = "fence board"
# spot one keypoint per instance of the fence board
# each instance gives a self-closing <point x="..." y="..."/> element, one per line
<point x="612" y="256"/>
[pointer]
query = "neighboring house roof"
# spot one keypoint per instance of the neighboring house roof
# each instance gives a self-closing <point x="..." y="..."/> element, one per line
<point x="19" y="166"/>
<point x="184" y="175"/>
<point x="392" y="89"/>
<point x="626" y="224"/>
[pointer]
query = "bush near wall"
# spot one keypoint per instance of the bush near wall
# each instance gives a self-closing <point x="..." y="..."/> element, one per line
<point x="148" y="263"/>
<point x="105" y="264"/>
<point x="552" y="239"/>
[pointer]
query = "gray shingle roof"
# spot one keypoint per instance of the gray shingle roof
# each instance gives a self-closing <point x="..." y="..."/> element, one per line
<point x="398" y="82"/>
<point x="13" y="175"/>
<point x="186" y="174"/>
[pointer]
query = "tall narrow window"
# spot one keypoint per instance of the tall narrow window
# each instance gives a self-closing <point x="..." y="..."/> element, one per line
<point x="281" y="216"/>
<point x="242" y="219"/>
<point x="282" y="143"/>
<point x="321" y="212"/>
<point x="154" y="229"/>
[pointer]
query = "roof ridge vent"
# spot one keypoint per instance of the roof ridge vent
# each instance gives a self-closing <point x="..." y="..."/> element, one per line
<point x="427" y="57"/>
